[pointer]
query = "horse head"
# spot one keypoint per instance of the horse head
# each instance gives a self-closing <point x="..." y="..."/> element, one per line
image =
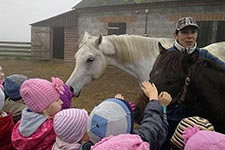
<point x="90" y="62"/>
<point x="171" y="69"/>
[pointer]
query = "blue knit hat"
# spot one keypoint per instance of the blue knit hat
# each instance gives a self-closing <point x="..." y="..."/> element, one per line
<point x="12" y="86"/>
<point x="111" y="117"/>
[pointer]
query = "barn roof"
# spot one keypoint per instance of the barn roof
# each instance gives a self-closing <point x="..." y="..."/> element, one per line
<point x="63" y="20"/>
<point x="106" y="3"/>
<point x="97" y="5"/>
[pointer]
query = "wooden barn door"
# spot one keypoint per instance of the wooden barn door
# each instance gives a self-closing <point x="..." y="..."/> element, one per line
<point x="58" y="43"/>
<point x="41" y="43"/>
<point x="211" y="32"/>
<point x="221" y="31"/>
<point x="205" y="33"/>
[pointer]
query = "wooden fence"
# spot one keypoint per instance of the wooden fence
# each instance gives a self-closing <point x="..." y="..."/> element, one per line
<point x="15" y="49"/>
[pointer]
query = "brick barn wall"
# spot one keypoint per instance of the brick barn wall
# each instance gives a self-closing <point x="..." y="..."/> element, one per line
<point x="71" y="43"/>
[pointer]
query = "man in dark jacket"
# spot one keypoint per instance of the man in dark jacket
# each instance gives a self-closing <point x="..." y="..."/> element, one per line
<point x="186" y="33"/>
<point x="114" y="116"/>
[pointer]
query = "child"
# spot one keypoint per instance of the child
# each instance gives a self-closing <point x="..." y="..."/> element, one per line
<point x="121" y="142"/>
<point x="70" y="126"/>
<point x="194" y="139"/>
<point x="114" y="116"/>
<point x="35" y="128"/>
<point x="6" y="125"/>
<point x="14" y="102"/>
<point x="2" y="75"/>
<point x="177" y="140"/>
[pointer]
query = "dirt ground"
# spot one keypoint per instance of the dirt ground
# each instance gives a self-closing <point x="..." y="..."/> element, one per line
<point x="113" y="81"/>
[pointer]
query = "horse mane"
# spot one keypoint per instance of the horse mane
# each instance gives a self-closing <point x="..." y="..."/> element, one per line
<point x="201" y="68"/>
<point x="170" y="59"/>
<point x="130" y="48"/>
<point x="205" y="67"/>
<point x="174" y="60"/>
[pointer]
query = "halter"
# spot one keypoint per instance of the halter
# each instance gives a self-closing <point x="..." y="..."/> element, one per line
<point x="182" y="94"/>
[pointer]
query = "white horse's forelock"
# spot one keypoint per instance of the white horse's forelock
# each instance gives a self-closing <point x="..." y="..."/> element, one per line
<point x="130" y="48"/>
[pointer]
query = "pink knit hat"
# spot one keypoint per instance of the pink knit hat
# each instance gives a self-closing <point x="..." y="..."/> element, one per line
<point x="39" y="93"/>
<point x="121" y="142"/>
<point x="70" y="124"/>
<point x="203" y="140"/>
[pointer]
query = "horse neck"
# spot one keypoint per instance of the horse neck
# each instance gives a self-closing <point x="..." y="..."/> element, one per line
<point x="132" y="54"/>
<point x="207" y="79"/>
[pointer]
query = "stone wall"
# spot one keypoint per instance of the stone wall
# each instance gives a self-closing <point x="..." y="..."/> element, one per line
<point x="161" y="21"/>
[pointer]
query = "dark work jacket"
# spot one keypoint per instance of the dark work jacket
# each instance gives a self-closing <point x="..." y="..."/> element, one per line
<point x="153" y="128"/>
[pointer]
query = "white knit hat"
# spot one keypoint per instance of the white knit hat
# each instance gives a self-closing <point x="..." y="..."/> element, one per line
<point x="111" y="117"/>
<point x="70" y="124"/>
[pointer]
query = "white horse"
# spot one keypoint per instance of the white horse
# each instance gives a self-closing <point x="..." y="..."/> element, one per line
<point x="217" y="49"/>
<point x="133" y="54"/>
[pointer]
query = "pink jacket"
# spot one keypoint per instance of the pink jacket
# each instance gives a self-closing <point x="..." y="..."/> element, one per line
<point x="42" y="139"/>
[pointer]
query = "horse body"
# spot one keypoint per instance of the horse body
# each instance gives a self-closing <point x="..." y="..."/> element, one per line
<point x="205" y="92"/>
<point x="217" y="49"/>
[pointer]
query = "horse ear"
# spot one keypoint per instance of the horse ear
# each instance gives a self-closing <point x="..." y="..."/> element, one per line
<point x="161" y="48"/>
<point x="98" y="41"/>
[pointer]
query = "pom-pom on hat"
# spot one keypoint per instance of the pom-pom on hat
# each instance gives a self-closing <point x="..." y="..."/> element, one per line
<point x="39" y="93"/>
<point x="121" y="142"/>
<point x="203" y="124"/>
<point x="66" y="97"/>
<point x="70" y="125"/>
<point x="12" y="86"/>
<point x="111" y="117"/>
<point x="203" y="140"/>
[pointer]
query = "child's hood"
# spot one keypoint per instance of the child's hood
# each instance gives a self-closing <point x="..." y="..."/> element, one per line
<point x="30" y="122"/>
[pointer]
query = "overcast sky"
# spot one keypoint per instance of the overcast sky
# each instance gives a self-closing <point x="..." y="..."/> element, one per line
<point x="17" y="15"/>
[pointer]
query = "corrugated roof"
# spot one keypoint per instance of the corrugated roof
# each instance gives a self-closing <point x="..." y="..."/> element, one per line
<point x="106" y="3"/>
<point x="63" y="20"/>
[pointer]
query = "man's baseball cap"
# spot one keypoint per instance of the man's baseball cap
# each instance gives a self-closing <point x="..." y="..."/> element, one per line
<point x="186" y="21"/>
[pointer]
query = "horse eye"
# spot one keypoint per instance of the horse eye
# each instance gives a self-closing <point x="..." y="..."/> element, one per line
<point x="90" y="59"/>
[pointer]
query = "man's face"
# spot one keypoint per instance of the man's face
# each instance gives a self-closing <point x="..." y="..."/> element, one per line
<point x="187" y="36"/>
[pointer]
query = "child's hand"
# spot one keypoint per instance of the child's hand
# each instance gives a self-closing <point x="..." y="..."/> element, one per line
<point x="164" y="98"/>
<point x="150" y="90"/>
<point x="119" y="96"/>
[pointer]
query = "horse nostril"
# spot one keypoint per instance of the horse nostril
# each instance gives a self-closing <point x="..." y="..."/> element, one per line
<point x="71" y="89"/>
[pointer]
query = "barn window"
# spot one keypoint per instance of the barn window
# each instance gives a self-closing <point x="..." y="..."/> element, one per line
<point x="116" y="28"/>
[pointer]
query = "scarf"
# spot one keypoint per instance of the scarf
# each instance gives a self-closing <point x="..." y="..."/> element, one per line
<point x="61" y="145"/>
<point x="185" y="49"/>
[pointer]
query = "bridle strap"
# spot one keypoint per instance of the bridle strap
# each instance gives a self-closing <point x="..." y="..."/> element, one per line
<point x="184" y="92"/>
